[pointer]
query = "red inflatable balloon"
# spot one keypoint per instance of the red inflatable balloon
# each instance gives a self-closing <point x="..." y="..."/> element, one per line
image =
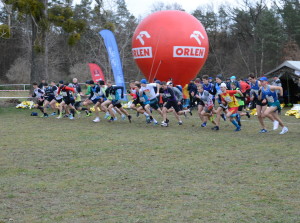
<point x="170" y="44"/>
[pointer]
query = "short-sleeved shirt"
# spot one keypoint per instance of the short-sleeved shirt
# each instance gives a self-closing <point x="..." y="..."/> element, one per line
<point x="149" y="91"/>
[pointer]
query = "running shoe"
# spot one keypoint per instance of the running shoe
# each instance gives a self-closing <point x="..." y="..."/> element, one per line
<point x="71" y="116"/>
<point x="184" y="113"/>
<point x="97" y="119"/>
<point x="111" y="119"/>
<point x="164" y="124"/>
<point x="167" y="121"/>
<point x="59" y="117"/>
<point x="107" y="116"/>
<point x="238" y="129"/>
<point x="52" y="114"/>
<point x="148" y="120"/>
<point x="203" y="124"/>
<point x="263" y="131"/>
<point x="284" y="130"/>
<point x="66" y="116"/>
<point x="89" y="114"/>
<point x="216" y="128"/>
<point x="180" y="123"/>
<point x="78" y="113"/>
<point x="191" y="112"/>
<point x="223" y="116"/>
<point x="46" y="115"/>
<point x="247" y="114"/>
<point x="155" y="123"/>
<point x="129" y="118"/>
<point x="275" y="125"/>
<point x="115" y="118"/>
<point x="123" y="117"/>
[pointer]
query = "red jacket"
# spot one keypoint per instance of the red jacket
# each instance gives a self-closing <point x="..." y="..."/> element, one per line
<point x="65" y="88"/>
<point x="244" y="86"/>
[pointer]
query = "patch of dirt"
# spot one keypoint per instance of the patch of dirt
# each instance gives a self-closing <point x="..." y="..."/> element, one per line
<point x="9" y="103"/>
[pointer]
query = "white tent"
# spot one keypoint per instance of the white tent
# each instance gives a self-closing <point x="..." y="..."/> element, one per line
<point x="293" y="66"/>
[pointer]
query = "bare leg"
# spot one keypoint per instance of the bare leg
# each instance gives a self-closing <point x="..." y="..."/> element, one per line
<point x="260" y="110"/>
<point x="272" y="114"/>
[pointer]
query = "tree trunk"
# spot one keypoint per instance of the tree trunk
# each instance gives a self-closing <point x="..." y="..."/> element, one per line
<point x="39" y="51"/>
<point x="262" y="57"/>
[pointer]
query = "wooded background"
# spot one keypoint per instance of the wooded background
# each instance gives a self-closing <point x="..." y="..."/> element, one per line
<point x="55" y="39"/>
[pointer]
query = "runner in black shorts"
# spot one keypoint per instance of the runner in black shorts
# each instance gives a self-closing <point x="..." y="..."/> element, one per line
<point x="145" y="105"/>
<point x="149" y="90"/>
<point x="49" y="96"/>
<point x="171" y="101"/>
<point x="256" y="100"/>
<point x="39" y="95"/>
<point x="200" y="104"/>
<point x="112" y="92"/>
<point x="68" y="99"/>
<point x="133" y="94"/>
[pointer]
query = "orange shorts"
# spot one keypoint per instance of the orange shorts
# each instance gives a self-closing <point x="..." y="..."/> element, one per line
<point x="233" y="110"/>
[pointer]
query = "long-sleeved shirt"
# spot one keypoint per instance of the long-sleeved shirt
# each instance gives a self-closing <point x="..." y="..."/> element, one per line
<point x="113" y="94"/>
<point x="169" y="94"/>
<point x="178" y="93"/>
<point x="65" y="91"/>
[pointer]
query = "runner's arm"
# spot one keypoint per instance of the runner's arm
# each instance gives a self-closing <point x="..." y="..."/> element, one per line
<point x="274" y="88"/>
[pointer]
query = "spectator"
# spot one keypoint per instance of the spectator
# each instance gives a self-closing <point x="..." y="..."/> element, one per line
<point x="233" y="79"/>
<point x="41" y="85"/>
<point x="244" y="86"/>
<point x="276" y="82"/>
<point x="228" y="83"/>
<point x="192" y="88"/>
<point x="197" y="81"/>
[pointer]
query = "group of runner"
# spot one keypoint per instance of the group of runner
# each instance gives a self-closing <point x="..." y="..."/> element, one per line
<point x="157" y="100"/>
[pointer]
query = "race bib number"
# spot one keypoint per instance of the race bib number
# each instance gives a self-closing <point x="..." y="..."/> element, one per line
<point x="228" y="99"/>
<point x="270" y="98"/>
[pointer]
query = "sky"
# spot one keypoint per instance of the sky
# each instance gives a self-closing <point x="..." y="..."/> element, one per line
<point x="142" y="7"/>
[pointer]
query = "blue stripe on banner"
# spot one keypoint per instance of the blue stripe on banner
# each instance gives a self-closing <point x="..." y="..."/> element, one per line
<point x="114" y="57"/>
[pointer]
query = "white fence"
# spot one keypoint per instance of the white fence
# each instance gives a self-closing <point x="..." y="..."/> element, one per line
<point x="14" y="87"/>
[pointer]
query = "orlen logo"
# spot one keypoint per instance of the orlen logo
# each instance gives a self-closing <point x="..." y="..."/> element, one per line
<point x="197" y="35"/>
<point x="188" y="51"/>
<point x="142" y="52"/>
<point x="141" y="35"/>
<point x="191" y="51"/>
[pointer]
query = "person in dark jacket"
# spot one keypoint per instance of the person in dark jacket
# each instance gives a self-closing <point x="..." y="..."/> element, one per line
<point x="192" y="87"/>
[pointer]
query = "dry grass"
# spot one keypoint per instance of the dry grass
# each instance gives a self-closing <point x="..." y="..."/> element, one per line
<point x="78" y="171"/>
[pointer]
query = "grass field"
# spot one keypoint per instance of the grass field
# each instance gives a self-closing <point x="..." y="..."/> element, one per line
<point x="77" y="171"/>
